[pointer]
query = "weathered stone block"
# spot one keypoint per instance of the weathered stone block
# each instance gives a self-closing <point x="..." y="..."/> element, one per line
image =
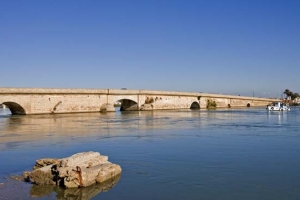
<point x="83" y="159"/>
<point x="107" y="172"/>
<point x="42" y="176"/>
<point x="45" y="162"/>
<point x="78" y="170"/>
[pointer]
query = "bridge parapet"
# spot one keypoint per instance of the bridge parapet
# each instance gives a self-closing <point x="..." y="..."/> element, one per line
<point x="121" y="92"/>
<point x="170" y="93"/>
<point x="51" y="91"/>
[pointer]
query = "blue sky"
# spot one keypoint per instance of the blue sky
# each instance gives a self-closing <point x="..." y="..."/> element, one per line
<point x="217" y="46"/>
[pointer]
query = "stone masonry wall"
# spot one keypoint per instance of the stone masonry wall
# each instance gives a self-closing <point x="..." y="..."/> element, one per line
<point x="162" y="102"/>
<point x="41" y="101"/>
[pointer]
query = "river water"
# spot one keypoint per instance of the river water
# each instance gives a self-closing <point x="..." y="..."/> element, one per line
<point x="207" y="154"/>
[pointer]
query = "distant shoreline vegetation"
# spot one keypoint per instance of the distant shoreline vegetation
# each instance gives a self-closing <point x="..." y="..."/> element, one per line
<point x="292" y="98"/>
<point x="289" y="93"/>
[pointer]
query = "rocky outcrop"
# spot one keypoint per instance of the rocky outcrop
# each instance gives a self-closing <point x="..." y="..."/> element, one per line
<point x="79" y="170"/>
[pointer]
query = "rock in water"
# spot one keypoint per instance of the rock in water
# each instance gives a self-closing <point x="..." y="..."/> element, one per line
<point x="45" y="162"/>
<point x="79" y="170"/>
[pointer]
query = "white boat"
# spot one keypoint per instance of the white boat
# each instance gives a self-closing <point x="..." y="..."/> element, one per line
<point x="278" y="106"/>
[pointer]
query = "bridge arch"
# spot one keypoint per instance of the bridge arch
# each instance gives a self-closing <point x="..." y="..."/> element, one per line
<point x="195" y="106"/>
<point x="15" y="108"/>
<point x="128" y="104"/>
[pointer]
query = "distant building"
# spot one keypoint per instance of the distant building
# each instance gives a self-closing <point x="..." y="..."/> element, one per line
<point x="297" y="100"/>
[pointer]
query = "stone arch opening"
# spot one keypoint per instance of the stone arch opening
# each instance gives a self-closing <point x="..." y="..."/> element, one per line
<point x="195" y="106"/>
<point x="248" y="105"/>
<point x="128" y="105"/>
<point x="15" y="109"/>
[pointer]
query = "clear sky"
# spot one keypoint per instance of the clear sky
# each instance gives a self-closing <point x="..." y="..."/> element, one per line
<point x="216" y="46"/>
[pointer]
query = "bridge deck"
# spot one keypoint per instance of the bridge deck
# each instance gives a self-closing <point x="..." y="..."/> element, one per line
<point x="122" y="92"/>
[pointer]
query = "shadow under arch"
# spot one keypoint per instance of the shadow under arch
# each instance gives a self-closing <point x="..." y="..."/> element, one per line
<point x="128" y="105"/>
<point x="15" y="109"/>
<point x="195" y="106"/>
<point x="248" y="105"/>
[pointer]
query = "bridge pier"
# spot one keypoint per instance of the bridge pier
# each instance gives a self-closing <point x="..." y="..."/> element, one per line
<point x="107" y="108"/>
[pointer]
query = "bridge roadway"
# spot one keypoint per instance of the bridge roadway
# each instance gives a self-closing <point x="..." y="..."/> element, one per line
<point x="44" y="100"/>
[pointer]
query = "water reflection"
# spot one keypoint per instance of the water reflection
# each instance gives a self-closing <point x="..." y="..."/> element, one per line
<point x="14" y="129"/>
<point x="73" y="193"/>
<point x="280" y="117"/>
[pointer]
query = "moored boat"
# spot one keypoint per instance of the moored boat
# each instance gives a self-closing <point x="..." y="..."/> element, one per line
<point x="278" y="106"/>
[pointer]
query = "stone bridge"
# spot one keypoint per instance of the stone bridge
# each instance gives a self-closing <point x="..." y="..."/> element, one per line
<point x="42" y="101"/>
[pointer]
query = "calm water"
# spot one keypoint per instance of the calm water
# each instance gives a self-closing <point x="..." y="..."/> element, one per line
<point x="219" y="154"/>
